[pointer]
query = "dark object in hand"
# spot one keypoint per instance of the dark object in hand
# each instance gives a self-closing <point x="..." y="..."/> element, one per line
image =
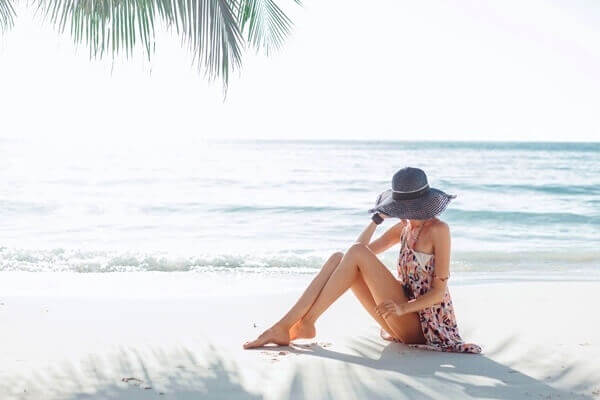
<point x="377" y="218"/>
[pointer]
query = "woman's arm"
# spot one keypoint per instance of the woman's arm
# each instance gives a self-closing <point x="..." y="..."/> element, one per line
<point x="385" y="241"/>
<point x="388" y="239"/>
<point x="366" y="234"/>
<point x="441" y="250"/>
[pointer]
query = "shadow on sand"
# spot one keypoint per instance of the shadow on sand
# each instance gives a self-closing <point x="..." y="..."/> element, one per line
<point x="369" y="370"/>
<point x="409" y="373"/>
<point x="134" y="374"/>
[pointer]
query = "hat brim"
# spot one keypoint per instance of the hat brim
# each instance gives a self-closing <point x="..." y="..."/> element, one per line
<point x="424" y="207"/>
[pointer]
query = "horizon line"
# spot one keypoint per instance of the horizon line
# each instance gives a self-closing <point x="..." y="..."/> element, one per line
<point x="403" y="140"/>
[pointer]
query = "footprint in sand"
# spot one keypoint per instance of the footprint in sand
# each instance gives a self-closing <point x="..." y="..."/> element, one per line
<point x="133" y="381"/>
<point x="274" y="356"/>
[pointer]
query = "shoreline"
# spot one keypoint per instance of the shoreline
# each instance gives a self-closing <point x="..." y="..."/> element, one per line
<point x="228" y="282"/>
<point x="71" y="342"/>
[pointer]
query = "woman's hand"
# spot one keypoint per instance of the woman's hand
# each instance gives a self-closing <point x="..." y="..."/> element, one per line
<point x="389" y="307"/>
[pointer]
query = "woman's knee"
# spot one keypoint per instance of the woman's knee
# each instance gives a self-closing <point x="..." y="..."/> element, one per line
<point x="336" y="257"/>
<point x="333" y="260"/>
<point x="357" y="249"/>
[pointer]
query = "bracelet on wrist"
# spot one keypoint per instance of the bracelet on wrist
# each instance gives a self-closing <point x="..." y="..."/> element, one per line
<point x="376" y="218"/>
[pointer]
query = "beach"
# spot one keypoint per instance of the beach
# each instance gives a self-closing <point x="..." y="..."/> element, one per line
<point x="179" y="335"/>
<point x="136" y="270"/>
<point x="174" y="174"/>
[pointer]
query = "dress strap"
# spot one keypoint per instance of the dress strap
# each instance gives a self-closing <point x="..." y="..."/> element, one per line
<point x="402" y="238"/>
<point x="403" y="235"/>
<point x="419" y="229"/>
<point x="401" y="267"/>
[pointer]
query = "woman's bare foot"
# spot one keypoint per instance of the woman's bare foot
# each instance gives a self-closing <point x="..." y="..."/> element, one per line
<point x="302" y="330"/>
<point x="386" y="336"/>
<point x="275" y="334"/>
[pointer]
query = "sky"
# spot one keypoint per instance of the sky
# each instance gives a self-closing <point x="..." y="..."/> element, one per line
<point x="385" y="70"/>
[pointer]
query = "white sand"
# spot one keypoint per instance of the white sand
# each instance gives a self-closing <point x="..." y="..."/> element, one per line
<point x="77" y="336"/>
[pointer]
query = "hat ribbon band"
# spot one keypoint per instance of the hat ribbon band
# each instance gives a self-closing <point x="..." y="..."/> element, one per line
<point x="410" y="195"/>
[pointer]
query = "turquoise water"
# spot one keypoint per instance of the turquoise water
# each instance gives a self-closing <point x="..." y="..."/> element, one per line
<point x="263" y="206"/>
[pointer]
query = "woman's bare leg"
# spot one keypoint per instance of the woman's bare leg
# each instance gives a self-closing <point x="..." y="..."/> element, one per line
<point x="360" y="260"/>
<point x="291" y="319"/>
<point x="307" y="330"/>
<point x="301" y="330"/>
<point x="287" y="328"/>
<point x="363" y="294"/>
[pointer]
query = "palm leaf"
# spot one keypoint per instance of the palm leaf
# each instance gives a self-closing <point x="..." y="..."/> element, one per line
<point x="212" y="34"/>
<point x="7" y="14"/>
<point x="213" y="30"/>
<point x="265" y="23"/>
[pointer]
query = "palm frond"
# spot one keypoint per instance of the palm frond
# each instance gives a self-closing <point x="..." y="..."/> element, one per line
<point x="7" y="15"/>
<point x="265" y="23"/>
<point x="102" y="25"/>
<point x="213" y="30"/>
<point x="212" y="34"/>
<point x="208" y="27"/>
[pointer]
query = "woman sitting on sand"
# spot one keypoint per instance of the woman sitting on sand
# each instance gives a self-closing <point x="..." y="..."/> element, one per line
<point x="415" y="309"/>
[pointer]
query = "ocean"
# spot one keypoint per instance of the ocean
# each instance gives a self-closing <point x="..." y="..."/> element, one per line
<point x="281" y="207"/>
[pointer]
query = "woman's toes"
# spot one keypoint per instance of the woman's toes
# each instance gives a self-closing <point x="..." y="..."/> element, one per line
<point x="259" y="341"/>
<point x="251" y="344"/>
<point x="274" y="335"/>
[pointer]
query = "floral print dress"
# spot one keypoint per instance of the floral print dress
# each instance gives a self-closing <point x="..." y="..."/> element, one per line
<point x="416" y="271"/>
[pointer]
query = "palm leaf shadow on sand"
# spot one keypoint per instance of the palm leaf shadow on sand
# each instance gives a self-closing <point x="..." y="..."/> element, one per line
<point x="369" y="369"/>
<point x="408" y="372"/>
<point x="132" y="374"/>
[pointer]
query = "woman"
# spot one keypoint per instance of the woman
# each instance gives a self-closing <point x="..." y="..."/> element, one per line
<point x="415" y="309"/>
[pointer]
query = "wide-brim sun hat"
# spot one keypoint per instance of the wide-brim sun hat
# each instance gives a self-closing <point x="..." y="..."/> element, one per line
<point x="411" y="197"/>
